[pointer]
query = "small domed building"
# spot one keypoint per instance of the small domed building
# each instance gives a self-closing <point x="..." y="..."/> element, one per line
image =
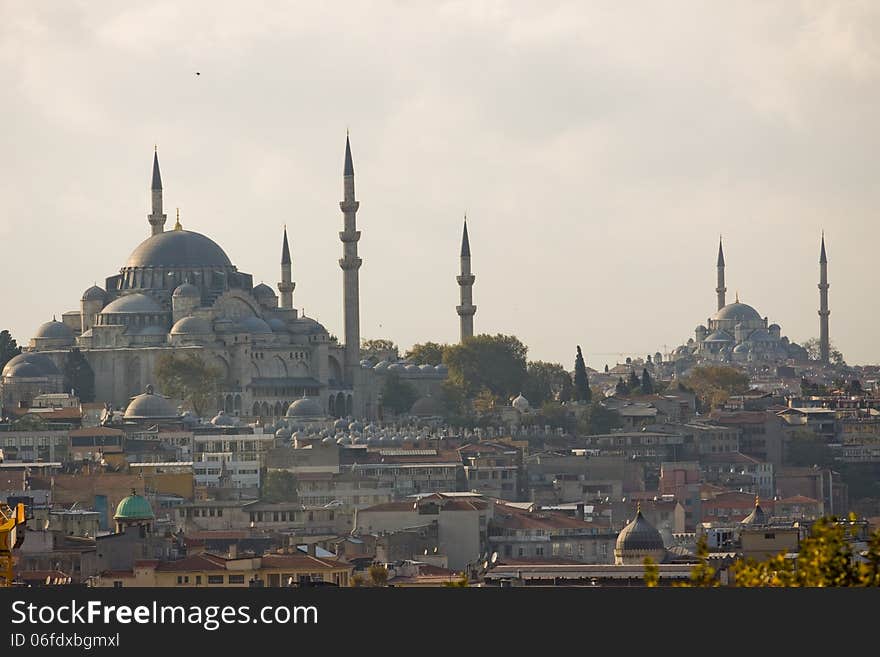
<point x="134" y="511"/>
<point x="639" y="539"/>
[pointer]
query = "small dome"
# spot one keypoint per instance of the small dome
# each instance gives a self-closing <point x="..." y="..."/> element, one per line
<point x="328" y="440"/>
<point x="366" y="364"/>
<point x="307" y="326"/>
<point x="44" y="365"/>
<point x="191" y="326"/>
<point x="426" y="407"/>
<point x="702" y="329"/>
<point x="263" y="291"/>
<point x="277" y="325"/>
<point x="412" y="368"/>
<point x="372" y="440"/>
<point x="521" y="404"/>
<point x="442" y="368"/>
<point x="94" y="293"/>
<point x="427" y="369"/>
<point x="223" y="420"/>
<point x="253" y="324"/>
<point x="761" y="335"/>
<point x="639" y="535"/>
<point x="149" y="406"/>
<point x="741" y="348"/>
<point x="355" y="426"/>
<point x="396" y="367"/>
<point x="740" y="312"/>
<point x="343" y="440"/>
<point x="23" y="370"/>
<point x="133" y="507"/>
<point x="305" y="407"/>
<point x="54" y="330"/>
<point x="756" y="517"/>
<point x="186" y="291"/>
<point x="135" y="302"/>
<point x="382" y="365"/>
<point x="719" y="336"/>
<point x="340" y="424"/>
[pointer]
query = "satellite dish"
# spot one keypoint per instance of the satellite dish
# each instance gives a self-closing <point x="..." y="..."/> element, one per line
<point x="46" y="524"/>
<point x="494" y="557"/>
<point x="485" y="565"/>
<point x="426" y="550"/>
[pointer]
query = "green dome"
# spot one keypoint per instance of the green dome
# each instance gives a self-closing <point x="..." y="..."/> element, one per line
<point x="133" y="507"/>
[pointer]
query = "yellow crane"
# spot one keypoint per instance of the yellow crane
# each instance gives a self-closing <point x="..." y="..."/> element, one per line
<point x="11" y="521"/>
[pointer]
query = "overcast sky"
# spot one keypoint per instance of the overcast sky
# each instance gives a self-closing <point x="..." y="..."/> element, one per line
<point x="598" y="148"/>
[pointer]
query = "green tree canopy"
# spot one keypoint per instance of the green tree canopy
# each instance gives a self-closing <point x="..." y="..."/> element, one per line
<point x="647" y="383"/>
<point x="581" y="383"/>
<point x="814" y="351"/>
<point x="279" y="486"/>
<point x="189" y="378"/>
<point x="599" y="420"/>
<point x="426" y="353"/>
<point x="398" y="395"/>
<point x="545" y="382"/>
<point x="379" y="347"/>
<point x="805" y="448"/>
<point x="713" y="384"/>
<point x="9" y="349"/>
<point x="494" y="362"/>
<point x="79" y="376"/>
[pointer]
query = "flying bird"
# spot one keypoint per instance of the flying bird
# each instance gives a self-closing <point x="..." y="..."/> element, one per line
<point x="197" y="73"/>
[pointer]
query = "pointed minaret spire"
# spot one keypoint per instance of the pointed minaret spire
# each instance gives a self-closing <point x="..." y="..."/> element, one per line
<point x="286" y="285"/>
<point x="350" y="264"/>
<point x="466" y="309"/>
<point x="720" y="289"/>
<point x="824" y="312"/>
<point x="156" y="217"/>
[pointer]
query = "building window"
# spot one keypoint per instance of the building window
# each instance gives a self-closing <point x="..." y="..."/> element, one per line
<point x="236" y="579"/>
<point x="117" y="584"/>
<point x="215" y="579"/>
<point x="198" y="580"/>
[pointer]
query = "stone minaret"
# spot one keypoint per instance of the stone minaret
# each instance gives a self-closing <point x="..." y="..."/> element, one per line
<point x="286" y="285"/>
<point x="824" y="344"/>
<point x="350" y="263"/>
<point x="466" y="285"/>
<point x="721" y="289"/>
<point x="156" y="218"/>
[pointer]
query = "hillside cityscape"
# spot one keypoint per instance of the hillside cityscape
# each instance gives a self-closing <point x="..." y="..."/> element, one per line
<point x="180" y="426"/>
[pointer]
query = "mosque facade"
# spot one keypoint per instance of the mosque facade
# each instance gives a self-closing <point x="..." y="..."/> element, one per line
<point x="179" y="292"/>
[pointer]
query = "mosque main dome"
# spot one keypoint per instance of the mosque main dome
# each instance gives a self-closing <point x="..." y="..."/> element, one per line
<point x="741" y="312"/>
<point x="178" y="248"/>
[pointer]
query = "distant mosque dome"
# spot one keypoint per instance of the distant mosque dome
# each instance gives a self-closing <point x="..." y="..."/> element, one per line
<point x="30" y="364"/>
<point x="382" y="365"/>
<point x="178" y="248"/>
<point x="442" y="368"/>
<point x="719" y="336"/>
<point x="521" y="404"/>
<point x="756" y="517"/>
<point x="396" y="367"/>
<point x="305" y="407"/>
<point x="94" y="293"/>
<point x="426" y="369"/>
<point x="150" y="406"/>
<point x="639" y="539"/>
<point x="739" y="312"/>
<point x="277" y="325"/>
<point x="223" y="420"/>
<point x="186" y="291"/>
<point x="191" y="326"/>
<point x="133" y="303"/>
<point x="133" y="507"/>
<point x="253" y="324"/>
<point x="54" y="330"/>
<point x="263" y="291"/>
<point x="412" y="368"/>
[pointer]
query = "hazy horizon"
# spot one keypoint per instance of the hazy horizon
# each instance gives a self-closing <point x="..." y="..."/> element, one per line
<point x="597" y="151"/>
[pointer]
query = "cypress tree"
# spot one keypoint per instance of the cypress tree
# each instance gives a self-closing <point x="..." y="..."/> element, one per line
<point x="581" y="384"/>
<point x="647" y="384"/>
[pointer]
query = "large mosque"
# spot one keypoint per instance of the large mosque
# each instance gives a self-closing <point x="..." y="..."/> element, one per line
<point x="737" y="333"/>
<point x="180" y="292"/>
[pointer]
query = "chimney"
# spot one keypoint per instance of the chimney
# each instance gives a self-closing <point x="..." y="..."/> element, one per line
<point x="580" y="511"/>
<point x="313" y="549"/>
<point x="233" y="550"/>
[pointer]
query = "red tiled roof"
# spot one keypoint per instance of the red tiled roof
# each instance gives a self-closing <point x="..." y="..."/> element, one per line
<point x="798" y="499"/>
<point x="194" y="562"/>
<point x="514" y="518"/>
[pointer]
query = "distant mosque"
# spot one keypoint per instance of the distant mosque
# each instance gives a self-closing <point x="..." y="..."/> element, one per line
<point x="179" y="292"/>
<point x="738" y="334"/>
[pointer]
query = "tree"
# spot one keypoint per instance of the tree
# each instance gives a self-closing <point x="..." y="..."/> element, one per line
<point x="461" y="582"/>
<point x="426" y="353"/>
<point x="713" y="384"/>
<point x="581" y="383"/>
<point x="79" y="376"/>
<point x="652" y="573"/>
<point x="647" y="384"/>
<point x="398" y="395"/>
<point x="804" y="448"/>
<point x="702" y="575"/>
<point x="485" y="402"/>
<point x="566" y="391"/>
<point x="279" y="486"/>
<point x="814" y="351"/>
<point x="544" y="382"/>
<point x="599" y="420"/>
<point x="621" y="388"/>
<point x="378" y="348"/>
<point x="497" y="363"/>
<point x="189" y="378"/>
<point x="556" y="416"/>
<point x="378" y="574"/>
<point x="634" y="382"/>
<point x="9" y="349"/>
